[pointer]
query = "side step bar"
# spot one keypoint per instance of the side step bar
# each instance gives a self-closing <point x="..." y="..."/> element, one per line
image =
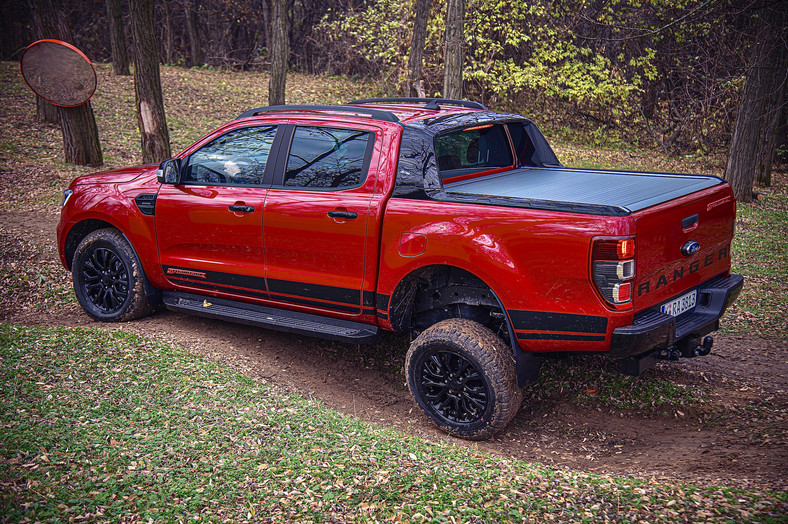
<point x="271" y="318"/>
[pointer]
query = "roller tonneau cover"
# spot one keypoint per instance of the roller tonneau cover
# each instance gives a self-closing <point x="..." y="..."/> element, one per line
<point x="630" y="191"/>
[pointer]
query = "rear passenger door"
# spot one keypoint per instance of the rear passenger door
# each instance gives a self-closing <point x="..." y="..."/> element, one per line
<point x="316" y="217"/>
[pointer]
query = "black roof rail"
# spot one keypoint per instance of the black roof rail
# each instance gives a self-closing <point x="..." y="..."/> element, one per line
<point x="431" y="103"/>
<point x="377" y="114"/>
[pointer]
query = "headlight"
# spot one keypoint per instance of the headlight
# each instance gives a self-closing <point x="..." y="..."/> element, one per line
<point x="66" y="195"/>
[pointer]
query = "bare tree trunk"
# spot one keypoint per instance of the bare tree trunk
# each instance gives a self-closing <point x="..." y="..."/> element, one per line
<point x="416" y="56"/>
<point x="280" y="51"/>
<point x="147" y="84"/>
<point x="455" y="57"/>
<point x="46" y="112"/>
<point x="266" y="10"/>
<point x="120" y="56"/>
<point x="81" y="143"/>
<point x="49" y="22"/>
<point x="196" y="57"/>
<point x="754" y="139"/>
<point x="79" y="146"/>
<point x="771" y="123"/>
<point x="167" y="38"/>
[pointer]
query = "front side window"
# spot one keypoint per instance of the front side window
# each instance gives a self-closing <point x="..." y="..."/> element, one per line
<point x="237" y="158"/>
<point x="473" y="149"/>
<point x="327" y="158"/>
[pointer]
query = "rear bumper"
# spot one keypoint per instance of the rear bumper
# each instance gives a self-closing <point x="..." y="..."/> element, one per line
<point x="654" y="330"/>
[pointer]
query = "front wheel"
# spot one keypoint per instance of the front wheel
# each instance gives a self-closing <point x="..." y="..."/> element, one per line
<point x="108" y="279"/>
<point x="462" y="376"/>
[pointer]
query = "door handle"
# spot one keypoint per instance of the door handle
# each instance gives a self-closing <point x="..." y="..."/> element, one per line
<point x="350" y="215"/>
<point x="241" y="209"/>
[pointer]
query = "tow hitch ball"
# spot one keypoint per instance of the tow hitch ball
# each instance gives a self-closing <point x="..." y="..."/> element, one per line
<point x="688" y="348"/>
<point x="705" y="348"/>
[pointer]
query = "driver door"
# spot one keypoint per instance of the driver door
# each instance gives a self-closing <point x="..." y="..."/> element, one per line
<point x="209" y="227"/>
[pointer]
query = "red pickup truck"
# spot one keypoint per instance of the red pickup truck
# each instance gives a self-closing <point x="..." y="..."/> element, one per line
<point x="430" y="216"/>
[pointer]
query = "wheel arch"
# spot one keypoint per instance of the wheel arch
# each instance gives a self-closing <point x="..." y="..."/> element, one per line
<point x="416" y="293"/>
<point x="79" y="231"/>
<point x="439" y="286"/>
<point x="83" y="228"/>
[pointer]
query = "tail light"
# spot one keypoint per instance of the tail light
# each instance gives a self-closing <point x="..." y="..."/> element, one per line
<point x="613" y="266"/>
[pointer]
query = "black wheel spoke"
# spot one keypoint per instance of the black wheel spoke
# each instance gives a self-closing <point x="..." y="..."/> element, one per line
<point x="475" y="402"/>
<point x="462" y="367"/>
<point x="90" y="268"/>
<point x="102" y="256"/>
<point x="433" y="382"/>
<point x="435" y="398"/>
<point x="112" y="299"/>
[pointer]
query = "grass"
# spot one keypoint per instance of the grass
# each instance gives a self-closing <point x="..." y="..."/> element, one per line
<point x="31" y="277"/>
<point x="103" y="426"/>
<point x="591" y="381"/>
<point x="760" y="252"/>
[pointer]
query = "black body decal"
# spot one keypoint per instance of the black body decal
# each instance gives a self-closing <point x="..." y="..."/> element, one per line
<point x="329" y="297"/>
<point x="560" y="336"/>
<point x="545" y="321"/>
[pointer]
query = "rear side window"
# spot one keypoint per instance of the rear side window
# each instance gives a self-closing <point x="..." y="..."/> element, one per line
<point x="523" y="146"/>
<point x="328" y="158"/>
<point x="237" y="158"/>
<point x="473" y="149"/>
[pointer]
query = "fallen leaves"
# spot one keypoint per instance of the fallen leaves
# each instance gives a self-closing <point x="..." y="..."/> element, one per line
<point x="165" y="435"/>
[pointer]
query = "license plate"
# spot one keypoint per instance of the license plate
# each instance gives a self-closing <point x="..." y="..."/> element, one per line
<point x="680" y="305"/>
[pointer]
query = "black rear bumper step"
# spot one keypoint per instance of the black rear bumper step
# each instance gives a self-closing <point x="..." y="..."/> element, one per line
<point x="656" y="330"/>
<point x="271" y="318"/>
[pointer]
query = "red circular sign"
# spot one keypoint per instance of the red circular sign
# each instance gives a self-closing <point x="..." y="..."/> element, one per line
<point x="58" y="72"/>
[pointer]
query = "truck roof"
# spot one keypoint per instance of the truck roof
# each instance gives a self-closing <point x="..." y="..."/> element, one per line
<point x="403" y="110"/>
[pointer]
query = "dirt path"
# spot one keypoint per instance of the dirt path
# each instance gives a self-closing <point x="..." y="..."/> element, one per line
<point x="737" y="437"/>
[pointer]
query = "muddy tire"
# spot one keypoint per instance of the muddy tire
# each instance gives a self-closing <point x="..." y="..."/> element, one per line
<point x="462" y="376"/>
<point x="108" y="278"/>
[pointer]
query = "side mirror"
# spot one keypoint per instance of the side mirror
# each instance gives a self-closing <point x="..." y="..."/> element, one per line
<point x="169" y="172"/>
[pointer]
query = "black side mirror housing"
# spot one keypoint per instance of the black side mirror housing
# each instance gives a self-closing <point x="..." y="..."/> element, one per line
<point x="169" y="172"/>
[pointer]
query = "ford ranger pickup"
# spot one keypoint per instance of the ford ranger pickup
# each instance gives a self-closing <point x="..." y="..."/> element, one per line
<point x="430" y="216"/>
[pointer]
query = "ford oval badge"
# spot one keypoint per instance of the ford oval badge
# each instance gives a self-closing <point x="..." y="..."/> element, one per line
<point x="690" y="248"/>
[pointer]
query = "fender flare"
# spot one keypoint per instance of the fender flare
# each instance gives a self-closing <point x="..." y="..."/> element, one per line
<point x="526" y="364"/>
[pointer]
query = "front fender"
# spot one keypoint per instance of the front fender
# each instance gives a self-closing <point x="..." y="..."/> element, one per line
<point x="98" y="206"/>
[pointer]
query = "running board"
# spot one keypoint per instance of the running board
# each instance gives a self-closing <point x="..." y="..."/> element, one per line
<point x="271" y="318"/>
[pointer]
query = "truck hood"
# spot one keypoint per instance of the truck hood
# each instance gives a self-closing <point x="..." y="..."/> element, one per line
<point x="115" y="176"/>
<point x="627" y="191"/>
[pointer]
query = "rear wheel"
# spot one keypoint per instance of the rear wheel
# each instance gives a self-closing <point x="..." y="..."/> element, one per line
<point x="108" y="279"/>
<point x="462" y="376"/>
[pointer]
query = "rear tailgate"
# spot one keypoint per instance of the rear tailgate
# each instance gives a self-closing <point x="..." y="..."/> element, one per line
<point x="666" y="236"/>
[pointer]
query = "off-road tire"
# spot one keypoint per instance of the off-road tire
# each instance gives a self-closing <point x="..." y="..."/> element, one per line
<point x="462" y="376"/>
<point x="108" y="278"/>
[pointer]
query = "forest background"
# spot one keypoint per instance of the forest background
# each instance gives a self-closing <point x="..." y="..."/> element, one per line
<point x="666" y="74"/>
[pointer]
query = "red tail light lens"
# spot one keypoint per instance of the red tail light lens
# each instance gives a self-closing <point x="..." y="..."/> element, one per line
<point x="625" y="248"/>
<point x="614" y="249"/>
<point x="613" y="266"/>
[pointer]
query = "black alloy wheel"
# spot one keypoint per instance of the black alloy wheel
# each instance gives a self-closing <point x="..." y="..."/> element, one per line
<point x="108" y="277"/>
<point x="462" y="376"/>
<point x="104" y="279"/>
<point x="453" y="387"/>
